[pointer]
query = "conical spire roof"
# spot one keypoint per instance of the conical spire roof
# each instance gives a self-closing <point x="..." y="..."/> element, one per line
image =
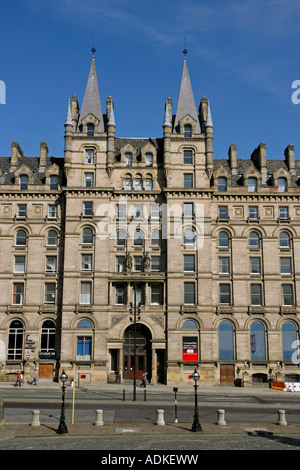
<point x="91" y="101"/>
<point x="186" y="102"/>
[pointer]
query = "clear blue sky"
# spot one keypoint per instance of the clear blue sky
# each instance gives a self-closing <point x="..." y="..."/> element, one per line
<point x="242" y="55"/>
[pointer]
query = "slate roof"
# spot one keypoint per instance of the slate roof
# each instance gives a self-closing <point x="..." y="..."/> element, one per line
<point x="32" y="163"/>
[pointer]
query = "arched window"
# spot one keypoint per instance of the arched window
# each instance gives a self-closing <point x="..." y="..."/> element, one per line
<point x="258" y="341"/>
<point x="138" y="183"/>
<point x="289" y="340"/>
<point x="138" y="238"/>
<point x="282" y="185"/>
<point x="84" y="323"/>
<point x="222" y="183"/>
<point x="128" y="183"/>
<point x="190" y="325"/>
<point x="87" y="236"/>
<point x="48" y="338"/>
<point x="121" y="237"/>
<point x="223" y="239"/>
<point x="15" y="340"/>
<point x="284" y="240"/>
<point x="148" y="183"/>
<point x="21" y="238"/>
<point x="226" y="345"/>
<point x="52" y="238"/>
<point x="254" y="240"/>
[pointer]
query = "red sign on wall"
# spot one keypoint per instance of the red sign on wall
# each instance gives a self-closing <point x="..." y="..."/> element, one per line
<point x="189" y="348"/>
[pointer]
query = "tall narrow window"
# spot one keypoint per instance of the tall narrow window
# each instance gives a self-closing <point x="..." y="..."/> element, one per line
<point x="188" y="180"/>
<point x="21" y="238"/>
<point x="86" y="262"/>
<point x="149" y="159"/>
<point x="88" y="208"/>
<point x="86" y="293"/>
<point x="48" y="339"/>
<point x="84" y="348"/>
<point x="283" y="212"/>
<point x="226" y="346"/>
<point x="187" y="157"/>
<point x="189" y="263"/>
<point x="121" y="237"/>
<point x="287" y="295"/>
<point x="253" y="212"/>
<point x="257" y="341"/>
<point x="54" y="181"/>
<point x="88" y="180"/>
<point x="52" y="238"/>
<point x="255" y="265"/>
<point x="285" y="265"/>
<point x="49" y="293"/>
<point x="223" y="212"/>
<point x="90" y="129"/>
<point x="19" y="265"/>
<point x="155" y="294"/>
<point x="224" y="265"/>
<point x="224" y="294"/>
<point x="51" y="262"/>
<point x="222" y="183"/>
<point x="256" y="294"/>
<point x="138" y="238"/>
<point x="22" y="211"/>
<point x="189" y="293"/>
<point x="284" y="240"/>
<point x="282" y="185"/>
<point x="252" y="185"/>
<point x="253" y="240"/>
<point x="128" y="159"/>
<point x="223" y="240"/>
<point x="89" y="156"/>
<point x="18" y="293"/>
<point x="187" y="130"/>
<point x="23" y="182"/>
<point x="87" y="236"/>
<point x="289" y="341"/>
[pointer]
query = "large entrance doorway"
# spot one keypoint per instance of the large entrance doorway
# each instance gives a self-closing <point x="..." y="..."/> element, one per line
<point x="226" y="374"/>
<point x="143" y="360"/>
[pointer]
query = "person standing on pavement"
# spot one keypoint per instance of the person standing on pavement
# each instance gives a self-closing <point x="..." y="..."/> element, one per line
<point x="34" y="378"/>
<point x="144" y="379"/>
<point x="19" y="379"/>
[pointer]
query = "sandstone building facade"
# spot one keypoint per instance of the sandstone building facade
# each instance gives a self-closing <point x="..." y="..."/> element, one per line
<point x="206" y="250"/>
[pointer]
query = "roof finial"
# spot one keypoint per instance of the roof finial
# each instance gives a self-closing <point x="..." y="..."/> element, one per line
<point x="184" y="50"/>
<point x="93" y="48"/>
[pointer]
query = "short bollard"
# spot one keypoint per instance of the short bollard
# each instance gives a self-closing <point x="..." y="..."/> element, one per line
<point x="99" y="418"/>
<point x="160" y="418"/>
<point x="221" y="418"/>
<point x="281" y="418"/>
<point x="35" y="418"/>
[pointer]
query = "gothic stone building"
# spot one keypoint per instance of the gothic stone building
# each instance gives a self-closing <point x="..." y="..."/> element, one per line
<point x="204" y="252"/>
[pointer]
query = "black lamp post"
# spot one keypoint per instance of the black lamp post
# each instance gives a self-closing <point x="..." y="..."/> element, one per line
<point x="196" y="424"/>
<point x="62" y="428"/>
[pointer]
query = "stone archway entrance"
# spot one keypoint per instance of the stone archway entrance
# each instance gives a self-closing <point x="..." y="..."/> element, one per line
<point x="143" y="360"/>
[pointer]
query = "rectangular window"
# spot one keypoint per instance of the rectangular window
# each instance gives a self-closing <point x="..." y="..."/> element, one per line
<point x="285" y="265"/>
<point x="86" y="293"/>
<point x="128" y="184"/>
<point x="287" y="295"/>
<point x="23" y="182"/>
<point x="51" y="262"/>
<point x="283" y="212"/>
<point x="223" y="212"/>
<point x="18" y="293"/>
<point x="189" y="293"/>
<point x="138" y="263"/>
<point x="189" y="263"/>
<point x="84" y="348"/>
<point x="120" y="264"/>
<point x="155" y="294"/>
<point x="224" y="265"/>
<point x="155" y="263"/>
<point x="138" y="294"/>
<point x="86" y="262"/>
<point x="148" y="184"/>
<point x="155" y="211"/>
<point x="255" y="265"/>
<point x="52" y="211"/>
<point x="188" y="157"/>
<point x="188" y="180"/>
<point x="89" y="156"/>
<point x="138" y="184"/>
<point x="49" y="293"/>
<point x="88" y="180"/>
<point x="54" y="182"/>
<point x="120" y="294"/>
<point x="128" y="159"/>
<point x="188" y="209"/>
<point x="253" y="212"/>
<point x="149" y="159"/>
<point x="256" y="294"/>
<point x="88" y="208"/>
<point x="121" y="211"/>
<point x="224" y="294"/>
<point x="252" y="185"/>
<point x="22" y="210"/>
<point x="19" y="265"/>
<point x="189" y="348"/>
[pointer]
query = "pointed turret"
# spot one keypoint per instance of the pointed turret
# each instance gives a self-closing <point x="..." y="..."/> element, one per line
<point x="91" y="101"/>
<point x="68" y="121"/>
<point x="186" y="102"/>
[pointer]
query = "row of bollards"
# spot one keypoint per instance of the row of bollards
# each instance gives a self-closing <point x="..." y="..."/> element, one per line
<point x="160" y="420"/>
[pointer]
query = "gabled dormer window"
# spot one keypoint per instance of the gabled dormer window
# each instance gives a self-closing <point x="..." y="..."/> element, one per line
<point x="149" y="159"/>
<point x="282" y="185"/>
<point x="54" y="180"/>
<point x="90" y="129"/>
<point x="252" y="185"/>
<point x="187" y="130"/>
<point x="128" y="159"/>
<point x="23" y="182"/>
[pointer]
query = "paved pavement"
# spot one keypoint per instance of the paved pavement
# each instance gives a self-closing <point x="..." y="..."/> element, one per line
<point x="8" y="431"/>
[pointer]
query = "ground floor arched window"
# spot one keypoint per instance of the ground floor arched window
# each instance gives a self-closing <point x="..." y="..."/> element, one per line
<point x="289" y="340"/>
<point x="258" y="341"/>
<point x="15" y="340"/>
<point x="48" y="338"/>
<point x="226" y="343"/>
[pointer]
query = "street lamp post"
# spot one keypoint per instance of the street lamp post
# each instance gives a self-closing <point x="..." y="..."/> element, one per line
<point x="62" y="428"/>
<point x="196" y="424"/>
<point x="134" y="338"/>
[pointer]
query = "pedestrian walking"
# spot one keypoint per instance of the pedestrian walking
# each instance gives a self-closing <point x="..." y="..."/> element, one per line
<point x="19" y="379"/>
<point x="34" y="377"/>
<point x="144" y="380"/>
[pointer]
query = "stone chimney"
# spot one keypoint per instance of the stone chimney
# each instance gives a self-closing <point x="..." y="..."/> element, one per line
<point x="16" y="152"/>
<point x="232" y="152"/>
<point x="289" y="155"/>
<point x="43" y="156"/>
<point x="259" y="158"/>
